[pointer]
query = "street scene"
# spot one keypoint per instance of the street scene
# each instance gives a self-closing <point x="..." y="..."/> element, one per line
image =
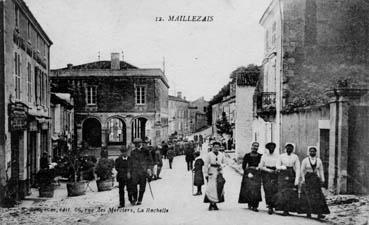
<point x="184" y="112"/>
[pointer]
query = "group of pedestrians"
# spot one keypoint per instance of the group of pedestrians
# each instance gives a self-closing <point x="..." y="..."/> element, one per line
<point x="280" y="175"/>
<point x="136" y="169"/>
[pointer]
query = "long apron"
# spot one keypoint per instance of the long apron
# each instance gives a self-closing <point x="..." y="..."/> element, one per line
<point x="250" y="187"/>
<point x="312" y="199"/>
<point x="286" y="198"/>
<point x="214" y="192"/>
<point x="270" y="185"/>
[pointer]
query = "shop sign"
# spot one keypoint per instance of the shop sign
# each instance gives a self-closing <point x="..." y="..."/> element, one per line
<point x="32" y="126"/>
<point x="44" y="126"/>
<point x="18" y="115"/>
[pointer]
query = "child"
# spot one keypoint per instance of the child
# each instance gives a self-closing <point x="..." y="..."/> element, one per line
<point x="198" y="173"/>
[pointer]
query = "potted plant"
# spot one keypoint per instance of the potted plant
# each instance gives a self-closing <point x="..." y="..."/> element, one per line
<point x="105" y="181"/>
<point x="45" y="178"/>
<point x="76" y="186"/>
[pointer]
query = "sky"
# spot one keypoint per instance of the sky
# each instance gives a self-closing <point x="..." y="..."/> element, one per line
<point x="199" y="56"/>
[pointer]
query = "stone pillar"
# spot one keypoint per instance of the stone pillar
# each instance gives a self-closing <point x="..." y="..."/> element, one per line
<point x="23" y="187"/>
<point x="79" y="136"/>
<point x="38" y="149"/>
<point x="104" y="137"/>
<point x="340" y="102"/>
<point x="129" y="132"/>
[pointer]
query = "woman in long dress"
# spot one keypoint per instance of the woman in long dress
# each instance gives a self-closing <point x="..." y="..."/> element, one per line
<point x="214" y="163"/>
<point x="269" y="176"/>
<point x="288" y="165"/>
<point x="251" y="181"/>
<point x="312" y="198"/>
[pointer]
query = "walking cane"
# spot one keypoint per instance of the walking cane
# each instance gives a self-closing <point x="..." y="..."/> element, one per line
<point x="150" y="190"/>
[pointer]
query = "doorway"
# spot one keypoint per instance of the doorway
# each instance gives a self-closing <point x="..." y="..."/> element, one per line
<point x="324" y="153"/>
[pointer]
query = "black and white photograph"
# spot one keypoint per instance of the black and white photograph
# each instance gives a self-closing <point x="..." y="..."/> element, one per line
<point x="184" y="112"/>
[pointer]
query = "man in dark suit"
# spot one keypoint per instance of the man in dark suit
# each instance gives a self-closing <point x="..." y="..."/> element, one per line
<point x="123" y="165"/>
<point x="141" y="170"/>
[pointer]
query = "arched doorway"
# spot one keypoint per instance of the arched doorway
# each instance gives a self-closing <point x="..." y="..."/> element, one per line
<point x="91" y="132"/>
<point x="139" y="128"/>
<point x="117" y="133"/>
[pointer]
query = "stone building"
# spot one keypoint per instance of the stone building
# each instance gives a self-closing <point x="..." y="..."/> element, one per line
<point x="24" y="98"/>
<point x="178" y="115"/>
<point x="238" y="108"/>
<point x="115" y="102"/>
<point x="314" y="85"/>
<point x="197" y="114"/>
<point x="62" y="123"/>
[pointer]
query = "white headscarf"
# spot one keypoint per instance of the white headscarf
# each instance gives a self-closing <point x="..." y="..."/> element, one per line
<point x="308" y="149"/>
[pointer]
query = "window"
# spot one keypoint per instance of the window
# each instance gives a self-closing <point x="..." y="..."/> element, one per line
<point x="91" y="95"/>
<point x="274" y="33"/>
<point x="43" y="88"/>
<point x="45" y="50"/>
<point x="38" y="85"/>
<point x="17" y="76"/>
<point x="29" y="32"/>
<point x="29" y="82"/>
<point x="16" y="17"/>
<point x="38" y="43"/>
<point x="140" y="95"/>
<point x="267" y="40"/>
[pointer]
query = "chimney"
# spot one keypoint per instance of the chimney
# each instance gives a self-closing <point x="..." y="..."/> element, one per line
<point x="69" y="66"/>
<point x="179" y="94"/>
<point x="184" y="97"/>
<point x="115" y="61"/>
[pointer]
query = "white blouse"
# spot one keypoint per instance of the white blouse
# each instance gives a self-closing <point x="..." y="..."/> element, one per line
<point x="306" y="167"/>
<point x="268" y="160"/>
<point x="292" y="160"/>
<point x="211" y="158"/>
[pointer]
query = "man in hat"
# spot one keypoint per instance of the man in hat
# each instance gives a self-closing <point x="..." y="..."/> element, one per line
<point x="123" y="165"/>
<point x="141" y="170"/>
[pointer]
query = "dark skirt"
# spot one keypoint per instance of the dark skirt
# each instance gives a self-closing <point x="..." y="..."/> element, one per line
<point x="312" y="199"/>
<point x="198" y="179"/>
<point x="250" y="187"/>
<point x="286" y="198"/>
<point x="270" y="185"/>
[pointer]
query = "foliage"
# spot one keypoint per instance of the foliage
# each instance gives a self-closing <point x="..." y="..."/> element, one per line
<point x="104" y="168"/>
<point x="310" y="89"/>
<point x="222" y="93"/>
<point x="223" y="126"/>
<point x="247" y="76"/>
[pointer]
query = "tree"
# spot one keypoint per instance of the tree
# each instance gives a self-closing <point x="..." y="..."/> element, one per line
<point x="223" y="126"/>
<point x="246" y="75"/>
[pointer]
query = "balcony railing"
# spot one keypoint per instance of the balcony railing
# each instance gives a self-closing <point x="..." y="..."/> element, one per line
<point x="268" y="100"/>
<point x="266" y="105"/>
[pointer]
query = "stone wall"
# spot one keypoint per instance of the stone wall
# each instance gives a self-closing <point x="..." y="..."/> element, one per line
<point x="302" y="128"/>
<point x="324" y="44"/>
<point x="244" y="119"/>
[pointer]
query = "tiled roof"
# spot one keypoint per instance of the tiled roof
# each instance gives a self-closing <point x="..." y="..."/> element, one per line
<point x="175" y="98"/>
<point x="102" y="65"/>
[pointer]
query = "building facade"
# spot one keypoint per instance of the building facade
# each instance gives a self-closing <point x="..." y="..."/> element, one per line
<point x="315" y="75"/>
<point x="178" y="115"/>
<point x="62" y="124"/>
<point x="115" y="102"/>
<point x="197" y="114"/>
<point x="24" y="99"/>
